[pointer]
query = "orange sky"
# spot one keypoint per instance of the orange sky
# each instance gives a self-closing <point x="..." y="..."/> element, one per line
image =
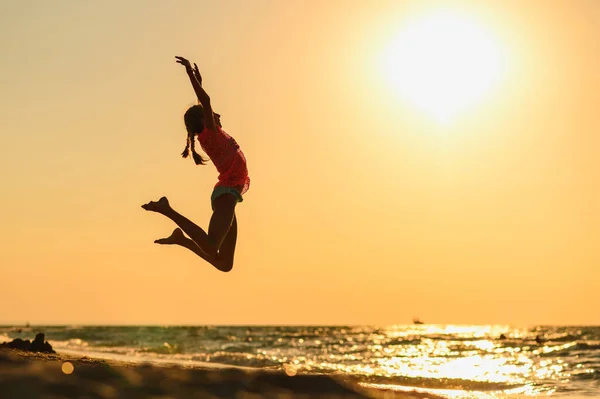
<point x="362" y="209"/>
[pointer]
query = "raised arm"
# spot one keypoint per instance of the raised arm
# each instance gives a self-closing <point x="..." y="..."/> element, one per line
<point x="196" y="80"/>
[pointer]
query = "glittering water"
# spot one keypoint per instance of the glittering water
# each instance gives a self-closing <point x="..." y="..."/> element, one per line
<point x="454" y="361"/>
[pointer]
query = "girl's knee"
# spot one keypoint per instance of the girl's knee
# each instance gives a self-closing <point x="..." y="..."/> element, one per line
<point x="225" y="266"/>
<point x="223" y="263"/>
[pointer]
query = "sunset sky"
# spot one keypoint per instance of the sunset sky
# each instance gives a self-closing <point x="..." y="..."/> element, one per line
<point x="408" y="158"/>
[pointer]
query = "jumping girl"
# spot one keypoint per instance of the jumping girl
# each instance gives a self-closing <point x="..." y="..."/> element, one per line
<point x="218" y="245"/>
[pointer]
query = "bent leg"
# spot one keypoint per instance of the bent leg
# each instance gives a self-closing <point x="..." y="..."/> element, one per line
<point x="221" y="219"/>
<point x="178" y="238"/>
<point x="204" y="245"/>
<point x="224" y="258"/>
<point x="196" y="233"/>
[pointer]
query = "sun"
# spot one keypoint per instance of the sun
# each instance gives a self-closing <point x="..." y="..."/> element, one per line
<point x="443" y="63"/>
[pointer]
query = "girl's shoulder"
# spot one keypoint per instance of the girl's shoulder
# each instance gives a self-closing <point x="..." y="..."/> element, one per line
<point x="218" y="137"/>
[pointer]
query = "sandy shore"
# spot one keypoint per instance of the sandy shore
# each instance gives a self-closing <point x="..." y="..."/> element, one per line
<point x="25" y="375"/>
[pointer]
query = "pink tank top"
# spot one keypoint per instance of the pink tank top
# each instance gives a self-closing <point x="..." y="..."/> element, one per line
<point x="228" y="158"/>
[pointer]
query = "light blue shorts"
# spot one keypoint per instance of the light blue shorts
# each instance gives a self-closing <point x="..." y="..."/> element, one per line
<point x="220" y="190"/>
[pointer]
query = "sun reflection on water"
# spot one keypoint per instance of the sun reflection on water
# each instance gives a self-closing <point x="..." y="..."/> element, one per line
<point x="452" y="357"/>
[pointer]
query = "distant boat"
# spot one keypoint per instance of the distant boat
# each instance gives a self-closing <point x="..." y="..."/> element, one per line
<point x="417" y="321"/>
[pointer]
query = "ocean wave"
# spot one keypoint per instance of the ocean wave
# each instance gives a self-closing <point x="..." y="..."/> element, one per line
<point x="565" y="337"/>
<point x="434" y="383"/>
<point x="452" y="337"/>
<point x="586" y="375"/>
<point x="239" y="359"/>
<point x="589" y="345"/>
<point x="587" y="349"/>
<point x="73" y="343"/>
<point x="404" y="341"/>
<point x="164" y="349"/>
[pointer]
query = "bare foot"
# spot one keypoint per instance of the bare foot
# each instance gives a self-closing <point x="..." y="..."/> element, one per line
<point x="160" y="206"/>
<point x="177" y="237"/>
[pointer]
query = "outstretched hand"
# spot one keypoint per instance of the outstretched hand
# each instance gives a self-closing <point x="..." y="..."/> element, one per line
<point x="185" y="62"/>
<point x="188" y="68"/>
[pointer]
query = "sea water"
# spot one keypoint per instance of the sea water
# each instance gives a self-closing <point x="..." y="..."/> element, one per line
<point x="453" y="361"/>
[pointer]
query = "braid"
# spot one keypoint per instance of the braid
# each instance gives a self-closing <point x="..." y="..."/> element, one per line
<point x="186" y="152"/>
<point x="193" y="124"/>
<point x="197" y="158"/>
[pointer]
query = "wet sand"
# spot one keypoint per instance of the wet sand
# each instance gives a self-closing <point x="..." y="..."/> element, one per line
<point x="26" y="375"/>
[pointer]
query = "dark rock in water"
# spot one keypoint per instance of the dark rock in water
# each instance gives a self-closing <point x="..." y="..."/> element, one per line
<point x="18" y="343"/>
<point x="38" y="344"/>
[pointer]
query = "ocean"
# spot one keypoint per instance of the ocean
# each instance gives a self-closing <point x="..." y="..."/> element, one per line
<point x="453" y="361"/>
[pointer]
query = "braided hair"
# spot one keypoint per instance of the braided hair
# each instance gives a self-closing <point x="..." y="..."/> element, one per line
<point x="194" y="124"/>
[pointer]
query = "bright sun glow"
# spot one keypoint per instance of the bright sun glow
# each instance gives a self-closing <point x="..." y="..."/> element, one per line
<point x="443" y="63"/>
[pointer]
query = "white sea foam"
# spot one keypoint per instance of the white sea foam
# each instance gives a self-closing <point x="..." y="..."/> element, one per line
<point x="135" y="357"/>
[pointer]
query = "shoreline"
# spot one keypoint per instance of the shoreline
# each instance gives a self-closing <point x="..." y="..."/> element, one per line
<point x="158" y="361"/>
<point x="60" y="375"/>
